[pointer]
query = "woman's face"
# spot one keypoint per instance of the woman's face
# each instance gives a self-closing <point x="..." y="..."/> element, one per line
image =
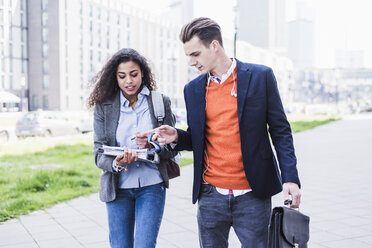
<point x="129" y="76"/>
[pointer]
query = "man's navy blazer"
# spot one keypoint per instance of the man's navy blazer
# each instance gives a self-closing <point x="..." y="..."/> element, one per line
<point x="260" y="111"/>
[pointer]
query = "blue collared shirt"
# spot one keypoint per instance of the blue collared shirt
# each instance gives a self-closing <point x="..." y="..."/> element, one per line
<point x="139" y="174"/>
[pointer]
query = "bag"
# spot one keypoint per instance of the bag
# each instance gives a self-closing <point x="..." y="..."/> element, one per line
<point x="288" y="228"/>
<point x="173" y="164"/>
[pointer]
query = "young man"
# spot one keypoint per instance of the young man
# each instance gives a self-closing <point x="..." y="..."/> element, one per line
<point x="230" y="107"/>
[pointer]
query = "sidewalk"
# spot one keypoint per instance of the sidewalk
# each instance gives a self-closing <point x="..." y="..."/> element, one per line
<point x="335" y="168"/>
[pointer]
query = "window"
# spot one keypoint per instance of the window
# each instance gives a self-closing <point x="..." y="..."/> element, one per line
<point x="45" y="102"/>
<point x="1" y="15"/>
<point x="10" y="50"/>
<point x="45" y="67"/>
<point x="67" y="102"/>
<point x="2" y="81"/>
<point x="44" y="4"/>
<point x="11" y="82"/>
<point x="44" y="19"/>
<point x="22" y="51"/>
<point x="45" y="35"/>
<point x="1" y="31"/>
<point x="45" y="50"/>
<point x="10" y="18"/>
<point x="22" y="5"/>
<point x="22" y="17"/>
<point x="23" y="66"/>
<point x="10" y="33"/>
<point x="45" y="82"/>
<point x="35" y="101"/>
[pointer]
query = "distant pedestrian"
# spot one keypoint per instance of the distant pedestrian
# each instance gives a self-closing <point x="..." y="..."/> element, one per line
<point x="231" y="110"/>
<point x="134" y="191"/>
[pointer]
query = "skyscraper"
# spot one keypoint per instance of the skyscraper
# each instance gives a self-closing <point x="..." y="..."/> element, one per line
<point x="262" y="23"/>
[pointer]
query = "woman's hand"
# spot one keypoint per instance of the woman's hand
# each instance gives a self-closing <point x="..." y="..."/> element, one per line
<point x="129" y="156"/>
<point x="142" y="141"/>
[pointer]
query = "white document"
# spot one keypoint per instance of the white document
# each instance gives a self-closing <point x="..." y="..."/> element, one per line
<point x="141" y="153"/>
<point x="115" y="150"/>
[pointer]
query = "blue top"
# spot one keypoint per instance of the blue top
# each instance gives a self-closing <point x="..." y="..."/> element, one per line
<point x="139" y="174"/>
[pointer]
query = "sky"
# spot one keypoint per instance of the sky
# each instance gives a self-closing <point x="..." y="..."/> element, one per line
<point x="339" y="24"/>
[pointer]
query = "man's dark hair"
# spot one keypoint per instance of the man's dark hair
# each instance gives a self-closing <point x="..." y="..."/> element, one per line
<point x="204" y="28"/>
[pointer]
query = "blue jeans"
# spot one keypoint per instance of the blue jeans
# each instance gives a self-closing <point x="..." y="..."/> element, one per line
<point x="247" y="214"/>
<point x="139" y="207"/>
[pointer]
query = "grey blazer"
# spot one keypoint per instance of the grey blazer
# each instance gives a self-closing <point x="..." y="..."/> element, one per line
<point x="106" y="118"/>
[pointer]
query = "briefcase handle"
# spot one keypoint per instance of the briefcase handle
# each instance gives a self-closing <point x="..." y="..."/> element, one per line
<point x="289" y="202"/>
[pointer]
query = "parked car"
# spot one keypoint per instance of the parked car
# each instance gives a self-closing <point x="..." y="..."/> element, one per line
<point x="4" y="135"/>
<point x="86" y="123"/>
<point x="45" y="123"/>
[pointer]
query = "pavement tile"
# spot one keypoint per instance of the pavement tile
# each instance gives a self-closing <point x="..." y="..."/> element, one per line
<point x="50" y="235"/>
<point x="105" y="244"/>
<point x="346" y="243"/>
<point x="23" y="245"/>
<point x="365" y="239"/>
<point x="321" y="237"/>
<point x="60" y="243"/>
<point x="182" y="239"/>
<point x="94" y="237"/>
<point x="168" y="227"/>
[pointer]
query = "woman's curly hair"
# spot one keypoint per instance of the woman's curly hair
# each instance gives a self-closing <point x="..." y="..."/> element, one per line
<point x="105" y="82"/>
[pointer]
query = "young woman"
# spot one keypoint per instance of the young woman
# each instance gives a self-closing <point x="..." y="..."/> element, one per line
<point x="134" y="191"/>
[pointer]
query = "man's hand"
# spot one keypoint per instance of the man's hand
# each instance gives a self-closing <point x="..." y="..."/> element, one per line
<point x="164" y="134"/>
<point x="293" y="190"/>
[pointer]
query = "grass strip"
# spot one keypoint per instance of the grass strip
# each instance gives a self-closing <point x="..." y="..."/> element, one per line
<point x="29" y="182"/>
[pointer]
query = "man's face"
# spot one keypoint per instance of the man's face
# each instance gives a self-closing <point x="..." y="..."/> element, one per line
<point x="202" y="57"/>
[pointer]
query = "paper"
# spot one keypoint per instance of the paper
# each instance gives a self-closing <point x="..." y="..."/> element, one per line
<point x="115" y="150"/>
<point x="143" y="154"/>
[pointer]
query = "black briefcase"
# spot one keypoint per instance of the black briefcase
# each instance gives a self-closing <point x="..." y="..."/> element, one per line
<point x="288" y="228"/>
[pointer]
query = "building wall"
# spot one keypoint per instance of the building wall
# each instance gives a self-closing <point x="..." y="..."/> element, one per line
<point x="13" y="46"/>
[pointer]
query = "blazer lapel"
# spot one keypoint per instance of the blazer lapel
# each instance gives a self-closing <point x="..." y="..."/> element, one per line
<point x="200" y="99"/>
<point x="112" y="113"/>
<point x="243" y="81"/>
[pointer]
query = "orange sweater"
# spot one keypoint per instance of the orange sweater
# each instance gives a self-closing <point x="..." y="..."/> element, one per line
<point x="222" y="138"/>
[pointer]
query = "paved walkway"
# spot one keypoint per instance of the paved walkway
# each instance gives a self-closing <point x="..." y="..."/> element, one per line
<point x="335" y="168"/>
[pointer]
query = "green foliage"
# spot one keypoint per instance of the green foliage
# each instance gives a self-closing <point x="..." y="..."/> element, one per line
<point x="24" y="189"/>
<point x="186" y="161"/>
<point x="298" y="126"/>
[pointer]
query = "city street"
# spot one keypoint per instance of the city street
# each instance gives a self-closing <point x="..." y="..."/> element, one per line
<point x="334" y="162"/>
